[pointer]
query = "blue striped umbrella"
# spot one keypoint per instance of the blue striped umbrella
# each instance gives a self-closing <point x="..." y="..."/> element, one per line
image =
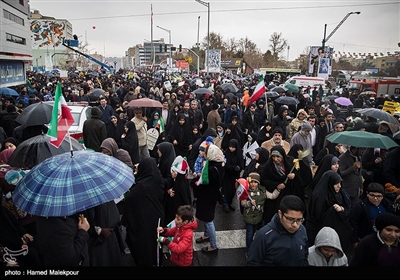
<point x="63" y="185"/>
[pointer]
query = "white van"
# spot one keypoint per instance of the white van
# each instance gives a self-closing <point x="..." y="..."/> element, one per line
<point x="305" y="81"/>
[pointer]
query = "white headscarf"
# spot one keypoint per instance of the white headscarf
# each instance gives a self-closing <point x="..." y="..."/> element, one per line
<point x="214" y="153"/>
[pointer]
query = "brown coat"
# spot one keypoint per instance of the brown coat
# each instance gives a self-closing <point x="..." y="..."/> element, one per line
<point x="270" y="143"/>
<point x="213" y="118"/>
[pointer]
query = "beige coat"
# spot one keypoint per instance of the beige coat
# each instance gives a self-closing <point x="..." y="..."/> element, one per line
<point x="270" y="143"/>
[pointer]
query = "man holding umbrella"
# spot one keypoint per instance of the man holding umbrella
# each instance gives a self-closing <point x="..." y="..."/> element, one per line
<point x="350" y="170"/>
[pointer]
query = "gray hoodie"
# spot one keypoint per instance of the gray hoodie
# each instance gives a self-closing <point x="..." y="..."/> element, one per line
<point x="326" y="237"/>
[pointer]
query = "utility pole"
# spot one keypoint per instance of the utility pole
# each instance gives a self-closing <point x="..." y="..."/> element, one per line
<point x="207" y="4"/>
<point x="170" y="53"/>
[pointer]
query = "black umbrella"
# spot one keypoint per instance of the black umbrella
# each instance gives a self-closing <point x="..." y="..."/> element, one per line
<point x="97" y="92"/>
<point x="38" y="148"/>
<point x="203" y="91"/>
<point x="35" y="114"/>
<point x="378" y="114"/>
<point x="229" y="86"/>
<point x="73" y="75"/>
<point x="278" y="89"/>
<point x="272" y="94"/>
<point x="396" y="135"/>
<point x="270" y="86"/>
<point x="288" y="100"/>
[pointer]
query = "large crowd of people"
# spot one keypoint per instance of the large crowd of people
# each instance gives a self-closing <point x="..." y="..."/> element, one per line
<point x="329" y="197"/>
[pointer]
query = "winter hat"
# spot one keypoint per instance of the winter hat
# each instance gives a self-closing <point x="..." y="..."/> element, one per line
<point x="180" y="165"/>
<point x="387" y="219"/>
<point x="254" y="176"/>
<point x="209" y="140"/>
<point x="203" y="146"/>
<point x="277" y="130"/>
<point x="306" y="126"/>
<point x="376" y="187"/>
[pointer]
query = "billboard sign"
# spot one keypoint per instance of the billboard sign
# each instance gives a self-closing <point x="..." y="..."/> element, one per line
<point x="12" y="72"/>
<point x="214" y="61"/>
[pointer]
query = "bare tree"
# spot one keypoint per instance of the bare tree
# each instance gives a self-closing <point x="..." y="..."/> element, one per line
<point x="278" y="44"/>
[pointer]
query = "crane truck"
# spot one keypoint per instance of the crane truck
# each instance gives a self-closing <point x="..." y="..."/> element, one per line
<point x="70" y="44"/>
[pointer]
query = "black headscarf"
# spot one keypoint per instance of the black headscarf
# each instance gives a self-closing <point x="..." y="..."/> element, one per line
<point x="144" y="208"/>
<point x="131" y="142"/>
<point x="167" y="158"/>
<point x="321" y="212"/>
<point x="325" y="165"/>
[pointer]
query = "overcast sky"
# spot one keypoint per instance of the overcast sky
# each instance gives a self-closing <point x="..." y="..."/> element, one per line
<point x="122" y="24"/>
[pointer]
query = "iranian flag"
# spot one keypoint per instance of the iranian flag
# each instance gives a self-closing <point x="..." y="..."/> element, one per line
<point x="160" y="124"/>
<point x="241" y="191"/>
<point x="204" y="176"/>
<point x="258" y="91"/>
<point x="61" y="119"/>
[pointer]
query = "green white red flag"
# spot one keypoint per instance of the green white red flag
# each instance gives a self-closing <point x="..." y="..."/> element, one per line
<point x="61" y="119"/>
<point x="258" y="91"/>
<point x="204" y="175"/>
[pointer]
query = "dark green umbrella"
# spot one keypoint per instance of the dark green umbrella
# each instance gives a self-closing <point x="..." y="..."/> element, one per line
<point x="362" y="139"/>
<point x="292" y="87"/>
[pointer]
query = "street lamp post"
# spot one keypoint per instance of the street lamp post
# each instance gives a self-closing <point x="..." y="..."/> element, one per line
<point x="198" y="33"/>
<point x="170" y="54"/>
<point x="334" y="30"/>
<point x="207" y="4"/>
<point x="198" y="44"/>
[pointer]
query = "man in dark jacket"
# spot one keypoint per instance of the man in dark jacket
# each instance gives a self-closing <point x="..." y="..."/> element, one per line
<point x="250" y="120"/>
<point x="283" y="241"/>
<point x="94" y="131"/>
<point x="279" y="120"/>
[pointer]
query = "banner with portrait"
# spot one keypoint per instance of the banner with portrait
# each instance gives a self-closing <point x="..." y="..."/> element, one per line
<point x="214" y="61"/>
<point x="316" y="53"/>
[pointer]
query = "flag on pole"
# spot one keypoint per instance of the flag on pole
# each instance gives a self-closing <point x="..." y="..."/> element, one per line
<point x="61" y="119"/>
<point x="258" y="91"/>
<point x="160" y="125"/>
<point x="241" y="189"/>
<point x="204" y="176"/>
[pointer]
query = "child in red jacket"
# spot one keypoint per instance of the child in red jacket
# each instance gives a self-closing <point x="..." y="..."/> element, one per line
<point x="181" y="246"/>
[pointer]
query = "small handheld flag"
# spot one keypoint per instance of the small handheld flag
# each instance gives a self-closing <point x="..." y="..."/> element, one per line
<point x="61" y="119"/>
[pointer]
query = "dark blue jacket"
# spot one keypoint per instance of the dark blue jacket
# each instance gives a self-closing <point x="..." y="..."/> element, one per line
<point x="273" y="245"/>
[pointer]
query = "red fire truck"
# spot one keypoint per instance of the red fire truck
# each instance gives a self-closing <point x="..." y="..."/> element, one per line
<point x="389" y="86"/>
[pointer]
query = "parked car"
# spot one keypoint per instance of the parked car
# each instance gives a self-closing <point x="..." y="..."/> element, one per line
<point x="80" y="111"/>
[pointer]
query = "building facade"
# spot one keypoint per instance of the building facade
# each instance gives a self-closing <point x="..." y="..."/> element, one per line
<point x="15" y="43"/>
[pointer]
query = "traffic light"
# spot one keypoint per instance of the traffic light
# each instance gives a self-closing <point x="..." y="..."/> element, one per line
<point x="161" y="48"/>
<point x="180" y="48"/>
<point x="165" y="48"/>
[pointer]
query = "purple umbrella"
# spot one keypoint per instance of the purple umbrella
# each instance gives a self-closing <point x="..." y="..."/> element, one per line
<point x="343" y="101"/>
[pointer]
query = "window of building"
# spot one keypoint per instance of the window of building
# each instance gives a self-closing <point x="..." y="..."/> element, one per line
<point x="15" y="39"/>
<point x="13" y="17"/>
